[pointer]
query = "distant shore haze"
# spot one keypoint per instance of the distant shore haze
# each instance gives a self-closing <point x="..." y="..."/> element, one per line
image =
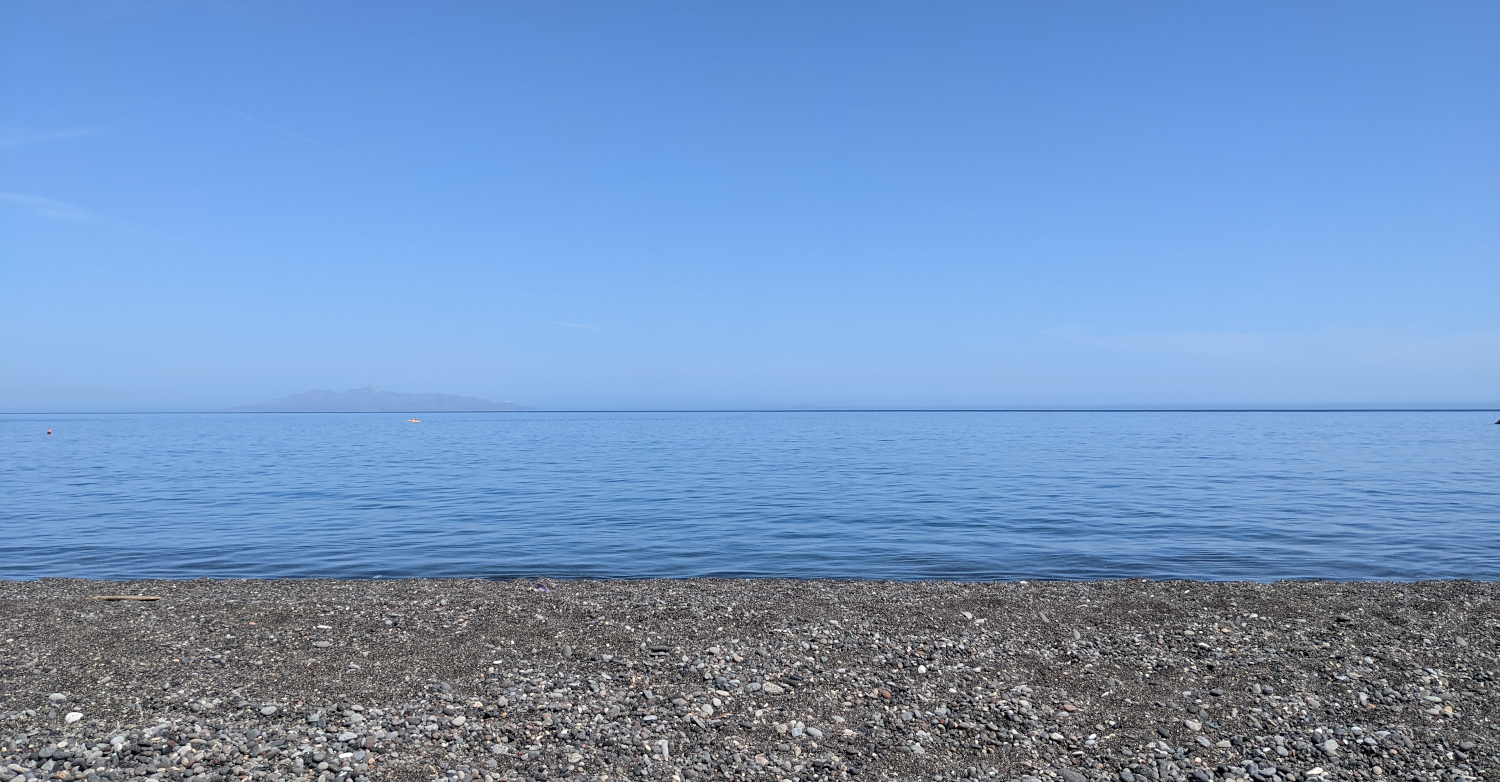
<point x="372" y="400"/>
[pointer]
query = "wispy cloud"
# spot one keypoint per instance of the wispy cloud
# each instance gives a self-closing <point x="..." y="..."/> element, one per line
<point x="50" y="207"/>
<point x="17" y="138"/>
<point x="584" y="326"/>
<point x="53" y="209"/>
<point x="284" y="131"/>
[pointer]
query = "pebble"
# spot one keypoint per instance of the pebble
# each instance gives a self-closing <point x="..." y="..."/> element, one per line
<point x="910" y="690"/>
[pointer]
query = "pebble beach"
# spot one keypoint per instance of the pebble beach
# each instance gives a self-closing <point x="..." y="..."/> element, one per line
<point x="481" y="681"/>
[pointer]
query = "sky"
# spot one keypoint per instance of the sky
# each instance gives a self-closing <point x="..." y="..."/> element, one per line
<point x="761" y="205"/>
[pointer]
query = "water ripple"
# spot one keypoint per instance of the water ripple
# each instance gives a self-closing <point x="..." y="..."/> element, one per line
<point x="964" y="496"/>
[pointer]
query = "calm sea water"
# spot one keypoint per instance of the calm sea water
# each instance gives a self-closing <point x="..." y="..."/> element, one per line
<point x="1356" y="495"/>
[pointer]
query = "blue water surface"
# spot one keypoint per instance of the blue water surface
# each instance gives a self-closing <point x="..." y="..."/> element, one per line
<point x="918" y="495"/>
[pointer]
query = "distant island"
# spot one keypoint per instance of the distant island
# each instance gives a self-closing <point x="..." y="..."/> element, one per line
<point x="372" y="400"/>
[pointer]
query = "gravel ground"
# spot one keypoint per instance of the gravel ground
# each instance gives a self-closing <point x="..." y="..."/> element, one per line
<point x="1127" y="681"/>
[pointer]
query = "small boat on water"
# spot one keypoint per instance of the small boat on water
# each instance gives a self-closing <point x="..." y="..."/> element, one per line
<point x="414" y="420"/>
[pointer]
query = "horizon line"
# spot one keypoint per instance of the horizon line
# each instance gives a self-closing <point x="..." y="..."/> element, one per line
<point x="1494" y="409"/>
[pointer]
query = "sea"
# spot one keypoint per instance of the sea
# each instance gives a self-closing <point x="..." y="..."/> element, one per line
<point x="966" y="496"/>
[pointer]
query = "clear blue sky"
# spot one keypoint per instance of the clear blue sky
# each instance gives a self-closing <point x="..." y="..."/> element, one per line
<point x="763" y="205"/>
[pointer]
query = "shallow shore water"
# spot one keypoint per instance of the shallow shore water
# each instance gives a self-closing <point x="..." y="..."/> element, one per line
<point x="1125" y="681"/>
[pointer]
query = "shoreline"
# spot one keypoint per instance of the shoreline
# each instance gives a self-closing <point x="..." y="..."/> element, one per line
<point x="1057" y="681"/>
